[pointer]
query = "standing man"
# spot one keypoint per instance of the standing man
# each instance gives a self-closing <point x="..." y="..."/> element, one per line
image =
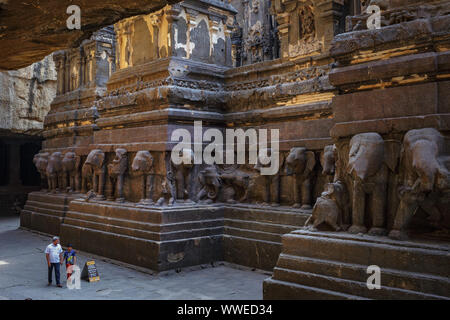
<point x="53" y="254"/>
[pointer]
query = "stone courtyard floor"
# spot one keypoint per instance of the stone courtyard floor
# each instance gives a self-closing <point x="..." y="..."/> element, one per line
<point x="23" y="274"/>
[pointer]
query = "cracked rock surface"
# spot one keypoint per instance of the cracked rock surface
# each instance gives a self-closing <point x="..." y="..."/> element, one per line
<point x="32" y="29"/>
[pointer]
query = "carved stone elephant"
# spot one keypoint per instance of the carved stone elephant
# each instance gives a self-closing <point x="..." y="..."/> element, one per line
<point x="116" y="174"/>
<point x="94" y="168"/>
<point x="55" y="172"/>
<point x="300" y="163"/>
<point x="368" y="173"/>
<point x="40" y="160"/>
<point x="181" y="174"/>
<point x="143" y="166"/>
<point x="271" y="182"/>
<point x="424" y="178"/>
<point x="328" y="161"/>
<point x="71" y="171"/>
<point x="236" y="185"/>
<point x="210" y="183"/>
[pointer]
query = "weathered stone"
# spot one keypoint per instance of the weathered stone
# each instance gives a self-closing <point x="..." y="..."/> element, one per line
<point x="26" y="95"/>
<point x="41" y="29"/>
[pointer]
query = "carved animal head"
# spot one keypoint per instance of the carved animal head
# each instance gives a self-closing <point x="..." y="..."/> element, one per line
<point x="328" y="160"/>
<point x="300" y="162"/>
<point x="422" y="149"/>
<point x="70" y="161"/>
<point x="142" y="162"/>
<point x="366" y="155"/>
<point x="209" y="177"/>
<point x="40" y="160"/>
<point x="120" y="163"/>
<point x="96" y="158"/>
<point x="54" y="165"/>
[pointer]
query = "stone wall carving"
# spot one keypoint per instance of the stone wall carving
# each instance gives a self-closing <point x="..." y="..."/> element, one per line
<point x="368" y="167"/>
<point x="116" y="173"/>
<point x="254" y="32"/>
<point x="424" y="181"/>
<point x="143" y="166"/>
<point x="40" y="160"/>
<point x="194" y="33"/>
<point x="71" y="164"/>
<point x="271" y="187"/>
<point x="55" y="172"/>
<point x="94" y="169"/>
<point x="88" y="65"/>
<point x="179" y="177"/>
<point x="210" y="184"/>
<point x="328" y="161"/>
<point x="307" y="26"/>
<point x="330" y="208"/>
<point x="236" y="184"/>
<point x="300" y="163"/>
<point x="368" y="173"/>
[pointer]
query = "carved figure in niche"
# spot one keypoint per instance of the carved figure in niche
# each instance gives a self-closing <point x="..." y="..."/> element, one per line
<point x="181" y="176"/>
<point x="116" y="173"/>
<point x="300" y="163"/>
<point x="271" y="182"/>
<point x="306" y="22"/>
<point x="330" y="208"/>
<point x="94" y="167"/>
<point x="54" y="172"/>
<point x="210" y="182"/>
<point x="236" y="185"/>
<point x="40" y="160"/>
<point x="71" y="171"/>
<point x="424" y="178"/>
<point x="328" y="161"/>
<point x="368" y="173"/>
<point x="143" y="165"/>
<point x="168" y="190"/>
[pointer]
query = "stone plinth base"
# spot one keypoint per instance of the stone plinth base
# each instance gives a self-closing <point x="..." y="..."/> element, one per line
<point x="322" y="265"/>
<point x="164" y="238"/>
<point x="158" y="238"/>
<point x="45" y="211"/>
<point x="253" y="234"/>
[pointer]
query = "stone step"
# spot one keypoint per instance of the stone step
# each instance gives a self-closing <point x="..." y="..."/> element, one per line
<point x="277" y="215"/>
<point x="156" y="255"/>
<point x="418" y="282"/>
<point x="144" y="234"/>
<point x="249" y="252"/>
<point x="347" y="286"/>
<point x="365" y="250"/>
<point x="260" y="226"/>
<point x="53" y="198"/>
<point x="144" y="225"/>
<point x="55" y="210"/>
<point x="281" y="290"/>
<point x="157" y="215"/>
<point x="45" y="223"/>
<point x="251" y="234"/>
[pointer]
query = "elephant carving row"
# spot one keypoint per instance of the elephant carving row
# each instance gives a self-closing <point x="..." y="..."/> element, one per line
<point x="230" y="184"/>
<point x="357" y="199"/>
<point x="60" y="171"/>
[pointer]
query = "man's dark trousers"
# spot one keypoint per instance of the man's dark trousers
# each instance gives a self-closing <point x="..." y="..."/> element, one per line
<point x="50" y="269"/>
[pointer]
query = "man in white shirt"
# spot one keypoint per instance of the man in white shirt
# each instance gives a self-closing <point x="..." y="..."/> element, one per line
<point x="53" y="254"/>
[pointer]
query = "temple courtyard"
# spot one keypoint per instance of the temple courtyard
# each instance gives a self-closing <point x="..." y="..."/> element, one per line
<point x="23" y="275"/>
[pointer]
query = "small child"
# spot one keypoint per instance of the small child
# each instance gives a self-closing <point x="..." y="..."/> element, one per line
<point x="70" y="258"/>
